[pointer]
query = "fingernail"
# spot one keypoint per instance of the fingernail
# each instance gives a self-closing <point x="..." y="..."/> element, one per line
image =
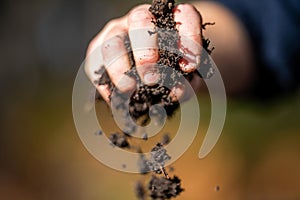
<point x="198" y="60"/>
<point x="177" y="92"/>
<point x="126" y="84"/>
<point x="190" y="67"/>
<point x="151" y="78"/>
<point x="187" y="66"/>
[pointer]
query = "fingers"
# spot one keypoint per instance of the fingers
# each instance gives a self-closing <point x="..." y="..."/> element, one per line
<point x="115" y="56"/>
<point x="144" y="43"/>
<point x="94" y="58"/>
<point x="104" y="91"/>
<point x="183" y="92"/>
<point x="108" y="49"/>
<point x="117" y="62"/>
<point x="189" y="22"/>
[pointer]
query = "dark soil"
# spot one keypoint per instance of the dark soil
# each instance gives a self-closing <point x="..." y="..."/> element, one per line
<point x="119" y="140"/>
<point x="161" y="185"/>
<point x="164" y="188"/>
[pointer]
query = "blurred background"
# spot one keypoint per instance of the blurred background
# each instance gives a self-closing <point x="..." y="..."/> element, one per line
<point x="41" y="156"/>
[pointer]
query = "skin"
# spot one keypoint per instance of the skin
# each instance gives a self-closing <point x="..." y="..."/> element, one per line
<point x="228" y="36"/>
<point x="233" y="52"/>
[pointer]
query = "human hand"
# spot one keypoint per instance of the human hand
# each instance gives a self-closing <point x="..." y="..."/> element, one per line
<point x="107" y="49"/>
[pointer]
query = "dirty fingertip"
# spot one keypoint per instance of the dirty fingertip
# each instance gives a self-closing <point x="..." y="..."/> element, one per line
<point x="126" y="84"/>
<point x="151" y="78"/>
<point x="104" y="91"/>
<point x="190" y="63"/>
<point x="177" y="93"/>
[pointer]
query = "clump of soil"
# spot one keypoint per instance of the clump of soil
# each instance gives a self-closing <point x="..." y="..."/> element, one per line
<point x="146" y="96"/>
<point x="140" y="191"/>
<point x="164" y="188"/>
<point x="119" y="140"/>
<point x="156" y="162"/>
<point x="159" y="186"/>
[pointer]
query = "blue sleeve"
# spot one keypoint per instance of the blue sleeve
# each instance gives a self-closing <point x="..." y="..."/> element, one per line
<point x="274" y="28"/>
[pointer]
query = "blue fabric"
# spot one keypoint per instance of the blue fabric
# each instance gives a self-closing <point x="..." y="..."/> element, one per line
<point x="274" y="27"/>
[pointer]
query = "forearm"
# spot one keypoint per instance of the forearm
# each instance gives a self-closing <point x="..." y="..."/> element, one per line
<point x="233" y="53"/>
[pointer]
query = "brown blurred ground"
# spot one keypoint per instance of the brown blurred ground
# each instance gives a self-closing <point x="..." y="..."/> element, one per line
<point x="41" y="156"/>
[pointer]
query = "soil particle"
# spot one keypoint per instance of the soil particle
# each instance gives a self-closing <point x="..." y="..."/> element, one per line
<point x="119" y="140"/>
<point x="164" y="188"/>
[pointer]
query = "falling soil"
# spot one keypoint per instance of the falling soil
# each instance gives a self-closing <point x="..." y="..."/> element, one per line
<point x="160" y="185"/>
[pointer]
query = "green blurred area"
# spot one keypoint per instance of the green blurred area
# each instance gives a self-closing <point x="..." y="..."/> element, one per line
<point x="42" y="157"/>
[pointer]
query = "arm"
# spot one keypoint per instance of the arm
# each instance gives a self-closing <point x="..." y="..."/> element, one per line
<point x="233" y="53"/>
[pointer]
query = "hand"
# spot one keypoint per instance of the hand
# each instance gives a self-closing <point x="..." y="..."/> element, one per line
<point x="106" y="46"/>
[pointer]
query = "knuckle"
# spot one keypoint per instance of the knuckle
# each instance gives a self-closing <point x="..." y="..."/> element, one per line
<point x="146" y="56"/>
<point x="91" y="47"/>
<point x="140" y="15"/>
<point x="111" y="46"/>
<point x="112" y="23"/>
<point x="187" y="8"/>
<point x="111" y="27"/>
<point x="188" y="11"/>
<point x="189" y="20"/>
